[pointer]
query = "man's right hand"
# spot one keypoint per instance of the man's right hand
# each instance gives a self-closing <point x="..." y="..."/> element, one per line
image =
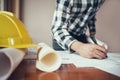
<point x="88" y="50"/>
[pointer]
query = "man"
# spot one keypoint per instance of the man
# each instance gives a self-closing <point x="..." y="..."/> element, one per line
<point x="70" y="22"/>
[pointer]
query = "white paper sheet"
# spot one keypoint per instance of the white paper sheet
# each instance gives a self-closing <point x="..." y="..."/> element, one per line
<point x="110" y="64"/>
<point x="9" y="60"/>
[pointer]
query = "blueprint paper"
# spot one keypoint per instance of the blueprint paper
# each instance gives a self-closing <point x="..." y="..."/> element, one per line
<point x="110" y="64"/>
<point x="10" y="58"/>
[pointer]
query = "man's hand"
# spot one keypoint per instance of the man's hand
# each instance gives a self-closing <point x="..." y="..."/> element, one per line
<point x="89" y="50"/>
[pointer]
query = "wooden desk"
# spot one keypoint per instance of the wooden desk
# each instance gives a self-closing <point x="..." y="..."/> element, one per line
<point x="27" y="71"/>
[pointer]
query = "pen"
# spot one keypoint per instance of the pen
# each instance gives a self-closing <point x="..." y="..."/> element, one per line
<point x="94" y="40"/>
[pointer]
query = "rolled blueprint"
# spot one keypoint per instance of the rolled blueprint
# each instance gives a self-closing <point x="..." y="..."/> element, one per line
<point x="10" y="58"/>
<point x="48" y="60"/>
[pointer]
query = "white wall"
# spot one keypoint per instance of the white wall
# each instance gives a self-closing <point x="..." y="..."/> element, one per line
<point x="37" y="16"/>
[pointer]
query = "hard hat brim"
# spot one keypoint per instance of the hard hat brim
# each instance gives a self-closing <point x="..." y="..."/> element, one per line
<point x="20" y="46"/>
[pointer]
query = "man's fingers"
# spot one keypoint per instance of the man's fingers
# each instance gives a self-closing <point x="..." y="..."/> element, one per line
<point x="101" y="48"/>
<point x="99" y="55"/>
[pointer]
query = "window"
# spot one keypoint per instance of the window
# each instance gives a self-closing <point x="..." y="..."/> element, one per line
<point x="1" y="5"/>
<point x="11" y="5"/>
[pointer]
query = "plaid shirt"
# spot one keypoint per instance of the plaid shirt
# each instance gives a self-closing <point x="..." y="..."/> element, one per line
<point x="74" y="16"/>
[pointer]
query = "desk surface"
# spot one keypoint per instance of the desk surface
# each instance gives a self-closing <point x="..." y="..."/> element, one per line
<point x="27" y="71"/>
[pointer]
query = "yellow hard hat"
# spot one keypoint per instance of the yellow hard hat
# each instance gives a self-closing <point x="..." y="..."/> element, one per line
<point x="12" y="32"/>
